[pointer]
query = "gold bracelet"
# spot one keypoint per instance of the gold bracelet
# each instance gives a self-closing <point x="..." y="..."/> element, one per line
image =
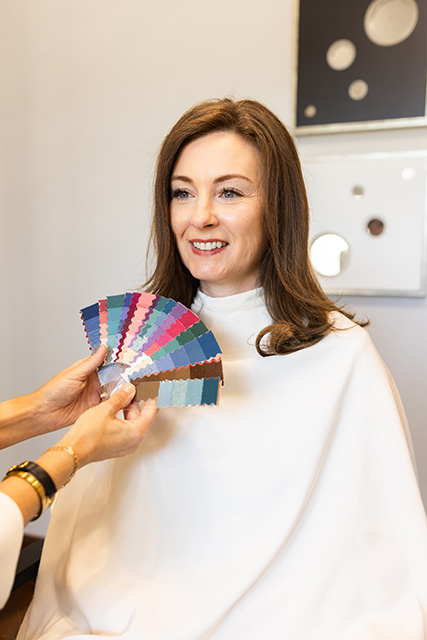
<point x="75" y="457"/>
<point x="45" y="501"/>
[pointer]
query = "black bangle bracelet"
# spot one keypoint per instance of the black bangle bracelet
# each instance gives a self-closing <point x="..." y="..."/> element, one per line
<point x="39" y="473"/>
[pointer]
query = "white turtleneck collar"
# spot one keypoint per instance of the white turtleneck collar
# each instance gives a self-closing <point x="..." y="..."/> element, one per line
<point x="234" y="320"/>
<point x="237" y="302"/>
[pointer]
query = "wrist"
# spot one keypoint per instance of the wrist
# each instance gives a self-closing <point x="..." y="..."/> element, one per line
<point x="78" y="446"/>
<point x="42" y="412"/>
<point x="59" y="464"/>
<point x="32" y="485"/>
<point x="20" y="418"/>
<point x="38" y="478"/>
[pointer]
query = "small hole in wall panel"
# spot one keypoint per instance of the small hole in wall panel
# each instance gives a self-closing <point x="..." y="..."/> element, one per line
<point x="375" y="227"/>
<point x="358" y="191"/>
<point x="408" y="173"/>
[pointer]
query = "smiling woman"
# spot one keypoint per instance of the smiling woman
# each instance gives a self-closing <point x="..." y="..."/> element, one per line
<point x="291" y="510"/>
<point x="217" y="213"/>
<point x="229" y="172"/>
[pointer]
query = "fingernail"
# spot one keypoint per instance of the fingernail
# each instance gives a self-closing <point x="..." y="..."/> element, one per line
<point x="128" y="388"/>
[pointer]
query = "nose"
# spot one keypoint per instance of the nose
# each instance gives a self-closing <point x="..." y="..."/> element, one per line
<point x="204" y="213"/>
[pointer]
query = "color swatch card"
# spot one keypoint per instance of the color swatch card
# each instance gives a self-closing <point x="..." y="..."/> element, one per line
<point x="159" y="345"/>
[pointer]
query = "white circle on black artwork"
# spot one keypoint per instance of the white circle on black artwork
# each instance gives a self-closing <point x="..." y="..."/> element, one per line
<point x="388" y="22"/>
<point x="329" y="254"/>
<point x="341" y="54"/>
<point x="358" y="90"/>
<point x="310" y="111"/>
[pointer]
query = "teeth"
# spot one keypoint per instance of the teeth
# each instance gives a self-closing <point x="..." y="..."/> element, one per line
<point x="208" y="246"/>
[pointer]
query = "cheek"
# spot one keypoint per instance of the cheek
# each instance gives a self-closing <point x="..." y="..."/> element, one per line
<point x="180" y="218"/>
<point x="256" y="234"/>
<point x="175" y="225"/>
<point x="177" y="231"/>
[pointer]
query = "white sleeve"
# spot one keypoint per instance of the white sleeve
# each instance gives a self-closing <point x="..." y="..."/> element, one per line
<point x="11" y="535"/>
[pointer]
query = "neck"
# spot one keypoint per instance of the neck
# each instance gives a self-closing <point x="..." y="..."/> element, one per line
<point x="218" y="290"/>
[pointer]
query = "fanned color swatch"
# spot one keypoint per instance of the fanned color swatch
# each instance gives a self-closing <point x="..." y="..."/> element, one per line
<point x="159" y="345"/>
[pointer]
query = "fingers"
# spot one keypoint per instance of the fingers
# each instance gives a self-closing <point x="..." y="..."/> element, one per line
<point x="150" y="406"/>
<point x="94" y="361"/>
<point x="93" y="389"/>
<point x="147" y="413"/>
<point x="141" y="418"/>
<point x="98" y="434"/>
<point x="120" y="398"/>
<point x="98" y="357"/>
<point x="88" y="365"/>
<point x="132" y="411"/>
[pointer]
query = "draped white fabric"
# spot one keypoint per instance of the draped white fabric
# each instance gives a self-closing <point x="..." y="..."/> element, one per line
<point x="11" y="535"/>
<point x="290" y="511"/>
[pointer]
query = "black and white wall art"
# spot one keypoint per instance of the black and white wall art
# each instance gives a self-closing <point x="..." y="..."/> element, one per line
<point x="361" y="64"/>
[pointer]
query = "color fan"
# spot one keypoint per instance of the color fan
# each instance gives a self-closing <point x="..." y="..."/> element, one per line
<point x="159" y="345"/>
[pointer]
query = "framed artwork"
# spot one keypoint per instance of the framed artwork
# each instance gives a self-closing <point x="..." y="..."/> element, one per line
<point x="368" y="223"/>
<point x="360" y="65"/>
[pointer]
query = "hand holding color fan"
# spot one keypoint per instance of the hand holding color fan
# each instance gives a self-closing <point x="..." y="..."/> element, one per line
<point x="159" y="345"/>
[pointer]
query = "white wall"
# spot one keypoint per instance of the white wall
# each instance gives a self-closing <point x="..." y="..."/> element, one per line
<point x="89" y="88"/>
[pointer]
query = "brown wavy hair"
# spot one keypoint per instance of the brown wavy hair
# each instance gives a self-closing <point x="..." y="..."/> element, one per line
<point x="293" y="297"/>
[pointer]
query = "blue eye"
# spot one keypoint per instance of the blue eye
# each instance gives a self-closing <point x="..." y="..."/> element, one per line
<point x="180" y="194"/>
<point x="230" y="194"/>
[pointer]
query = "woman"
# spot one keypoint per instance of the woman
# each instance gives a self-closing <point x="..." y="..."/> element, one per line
<point x="292" y="509"/>
<point x="71" y="395"/>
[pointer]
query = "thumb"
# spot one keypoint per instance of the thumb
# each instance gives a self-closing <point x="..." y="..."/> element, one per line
<point x="88" y="365"/>
<point x="120" y="398"/>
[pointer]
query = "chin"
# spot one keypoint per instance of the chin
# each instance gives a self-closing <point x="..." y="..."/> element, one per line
<point x="207" y="275"/>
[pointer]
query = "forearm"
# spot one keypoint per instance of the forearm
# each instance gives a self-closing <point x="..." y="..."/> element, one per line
<point x="56" y="404"/>
<point x="96" y="435"/>
<point x="20" y="418"/>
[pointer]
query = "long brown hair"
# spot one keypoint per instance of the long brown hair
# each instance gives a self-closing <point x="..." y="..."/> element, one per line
<point x="294" y="299"/>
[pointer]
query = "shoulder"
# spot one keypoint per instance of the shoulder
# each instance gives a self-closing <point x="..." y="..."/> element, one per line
<point x="348" y="338"/>
<point x="341" y="325"/>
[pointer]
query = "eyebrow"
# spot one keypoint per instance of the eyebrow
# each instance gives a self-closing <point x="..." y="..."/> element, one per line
<point x="228" y="176"/>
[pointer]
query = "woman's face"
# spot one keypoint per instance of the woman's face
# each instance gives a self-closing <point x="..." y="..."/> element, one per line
<point x="216" y="212"/>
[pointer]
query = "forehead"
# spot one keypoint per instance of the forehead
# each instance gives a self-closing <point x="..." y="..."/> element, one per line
<point x="218" y="153"/>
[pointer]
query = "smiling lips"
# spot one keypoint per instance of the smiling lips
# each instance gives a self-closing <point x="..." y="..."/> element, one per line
<point x="212" y="247"/>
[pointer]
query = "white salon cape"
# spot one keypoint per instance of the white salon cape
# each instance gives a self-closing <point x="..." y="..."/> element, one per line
<point x="291" y="511"/>
<point x="11" y="536"/>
